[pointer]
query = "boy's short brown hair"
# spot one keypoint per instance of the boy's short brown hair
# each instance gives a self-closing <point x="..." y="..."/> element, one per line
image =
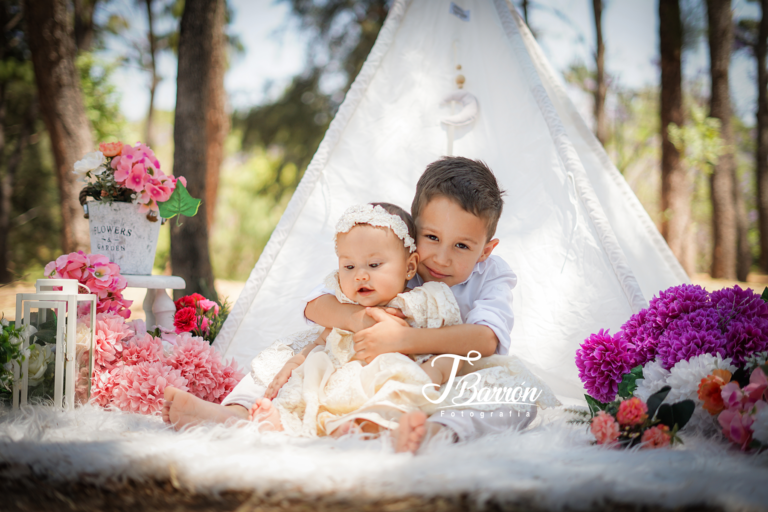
<point x="400" y="212"/>
<point x="470" y="183"/>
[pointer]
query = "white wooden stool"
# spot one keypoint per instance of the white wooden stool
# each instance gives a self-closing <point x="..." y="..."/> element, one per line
<point x="158" y="306"/>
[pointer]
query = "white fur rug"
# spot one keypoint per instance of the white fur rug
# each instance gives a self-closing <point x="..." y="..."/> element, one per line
<point x="551" y="465"/>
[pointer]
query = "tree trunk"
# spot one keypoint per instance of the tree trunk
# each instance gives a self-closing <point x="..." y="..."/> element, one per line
<point x="6" y="190"/>
<point x="217" y="121"/>
<point x="762" y="136"/>
<point x="600" y="87"/>
<point x="148" y="132"/>
<point x="724" y="229"/>
<point x="190" y="257"/>
<point x="84" y="24"/>
<point x="61" y="105"/>
<point x="676" y="185"/>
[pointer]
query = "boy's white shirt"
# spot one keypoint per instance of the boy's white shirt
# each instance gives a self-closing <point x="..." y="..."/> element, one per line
<point x="485" y="298"/>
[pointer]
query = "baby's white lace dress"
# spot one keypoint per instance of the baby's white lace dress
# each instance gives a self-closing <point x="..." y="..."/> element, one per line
<point x="330" y="389"/>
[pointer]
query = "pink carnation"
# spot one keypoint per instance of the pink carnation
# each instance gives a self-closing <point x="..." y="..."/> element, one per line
<point x="208" y="304"/>
<point x="110" y="332"/>
<point x="146" y="349"/>
<point x="201" y="365"/>
<point x="656" y="437"/>
<point x="604" y="428"/>
<point x="103" y="385"/>
<point x="631" y="412"/>
<point x="141" y="387"/>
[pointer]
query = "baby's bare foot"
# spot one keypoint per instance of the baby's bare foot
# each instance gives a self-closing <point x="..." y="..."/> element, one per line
<point x="185" y="409"/>
<point x="266" y="414"/>
<point x="168" y="395"/>
<point x="411" y="432"/>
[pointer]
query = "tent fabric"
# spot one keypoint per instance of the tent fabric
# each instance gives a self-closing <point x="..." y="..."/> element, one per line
<point x="586" y="253"/>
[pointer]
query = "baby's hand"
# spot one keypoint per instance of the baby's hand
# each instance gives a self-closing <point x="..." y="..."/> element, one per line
<point x="279" y="381"/>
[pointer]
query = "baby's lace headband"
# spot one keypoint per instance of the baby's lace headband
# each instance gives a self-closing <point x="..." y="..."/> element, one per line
<point x="375" y="216"/>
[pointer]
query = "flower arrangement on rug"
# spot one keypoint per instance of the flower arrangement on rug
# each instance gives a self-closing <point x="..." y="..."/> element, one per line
<point x="101" y="276"/>
<point x="687" y="338"/>
<point x="199" y="316"/>
<point x="125" y="173"/>
<point x="631" y="422"/>
<point x="133" y="367"/>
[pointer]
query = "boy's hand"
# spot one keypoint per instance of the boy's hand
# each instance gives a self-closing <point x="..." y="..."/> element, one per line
<point x="279" y="381"/>
<point x="384" y="337"/>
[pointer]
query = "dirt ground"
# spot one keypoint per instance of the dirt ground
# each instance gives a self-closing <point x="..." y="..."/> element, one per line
<point x="34" y="494"/>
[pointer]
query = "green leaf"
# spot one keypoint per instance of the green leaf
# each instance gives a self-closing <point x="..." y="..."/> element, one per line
<point x="676" y="415"/>
<point x="628" y="382"/>
<point x="180" y="203"/>
<point x="595" y="405"/>
<point x="764" y="296"/>
<point x="654" y="401"/>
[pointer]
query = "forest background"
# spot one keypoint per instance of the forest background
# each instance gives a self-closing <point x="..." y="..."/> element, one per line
<point x="259" y="142"/>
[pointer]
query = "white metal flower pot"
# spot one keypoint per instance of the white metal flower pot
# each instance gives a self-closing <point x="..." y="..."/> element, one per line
<point x="123" y="234"/>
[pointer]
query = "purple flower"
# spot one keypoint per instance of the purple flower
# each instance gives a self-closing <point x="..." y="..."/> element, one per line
<point x="602" y="361"/>
<point x="642" y="336"/>
<point x="737" y="304"/>
<point x="644" y="329"/>
<point x="745" y="337"/>
<point x="691" y="335"/>
<point x="675" y="302"/>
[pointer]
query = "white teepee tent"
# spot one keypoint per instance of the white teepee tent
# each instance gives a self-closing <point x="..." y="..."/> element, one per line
<point x="586" y="253"/>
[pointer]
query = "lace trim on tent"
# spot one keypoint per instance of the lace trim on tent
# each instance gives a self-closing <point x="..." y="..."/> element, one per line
<point x="572" y="163"/>
<point x="312" y="174"/>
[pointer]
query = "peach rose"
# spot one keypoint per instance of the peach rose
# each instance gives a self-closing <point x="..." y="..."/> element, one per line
<point x="710" y="391"/>
<point x="111" y="148"/>
<point x="604" y="428"/>
<point x="632" y="412"/>
<point x="656" y="437"/>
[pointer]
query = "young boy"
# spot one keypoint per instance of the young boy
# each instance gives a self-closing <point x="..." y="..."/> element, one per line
<point x="456" y="209"/>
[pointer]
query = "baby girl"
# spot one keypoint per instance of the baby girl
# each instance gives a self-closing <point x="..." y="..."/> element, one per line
<point x="321" y="391"/>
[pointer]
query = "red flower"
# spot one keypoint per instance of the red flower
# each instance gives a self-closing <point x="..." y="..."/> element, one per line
<point x="190" y="301"/>
<point x="185" y="320"/>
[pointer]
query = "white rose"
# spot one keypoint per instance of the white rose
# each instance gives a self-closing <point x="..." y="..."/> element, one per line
<point x="8" y="366"/>
<point x="39" y="358"/>
<point x="28" y="331"/>
<point x="90" y="162"/>
<point x="760" y="426"/>
<point x="4" y="322"/>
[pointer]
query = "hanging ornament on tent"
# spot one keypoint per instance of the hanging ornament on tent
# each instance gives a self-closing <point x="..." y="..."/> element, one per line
<point x="469" y="107"/>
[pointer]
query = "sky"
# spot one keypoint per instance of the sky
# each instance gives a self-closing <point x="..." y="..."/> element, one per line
<point x="275" y="50"/>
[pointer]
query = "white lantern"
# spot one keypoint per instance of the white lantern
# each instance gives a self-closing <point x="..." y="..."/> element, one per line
<point x="56" y="366"/>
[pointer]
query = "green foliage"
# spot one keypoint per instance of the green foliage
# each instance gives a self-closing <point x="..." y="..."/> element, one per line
<point x="595" y="405"/>
<point x="764" y="295"/>
<point x="629" y="382"/>
<point x="10" y="351"/>
<point x="676" y="416"/>
<point x="291" y="128"/>
<point x="245" y="217"/>
<point x="654" y="401"/>
<point x="180" y="203"/>
<point x="102" y="102"/>
<point x="699" y="141"/>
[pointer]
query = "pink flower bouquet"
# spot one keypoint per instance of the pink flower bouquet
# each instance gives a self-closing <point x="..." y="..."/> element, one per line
<point x="632" y="422"/>
<point x="101" y="276"/>
<point x="120" y="172"/>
